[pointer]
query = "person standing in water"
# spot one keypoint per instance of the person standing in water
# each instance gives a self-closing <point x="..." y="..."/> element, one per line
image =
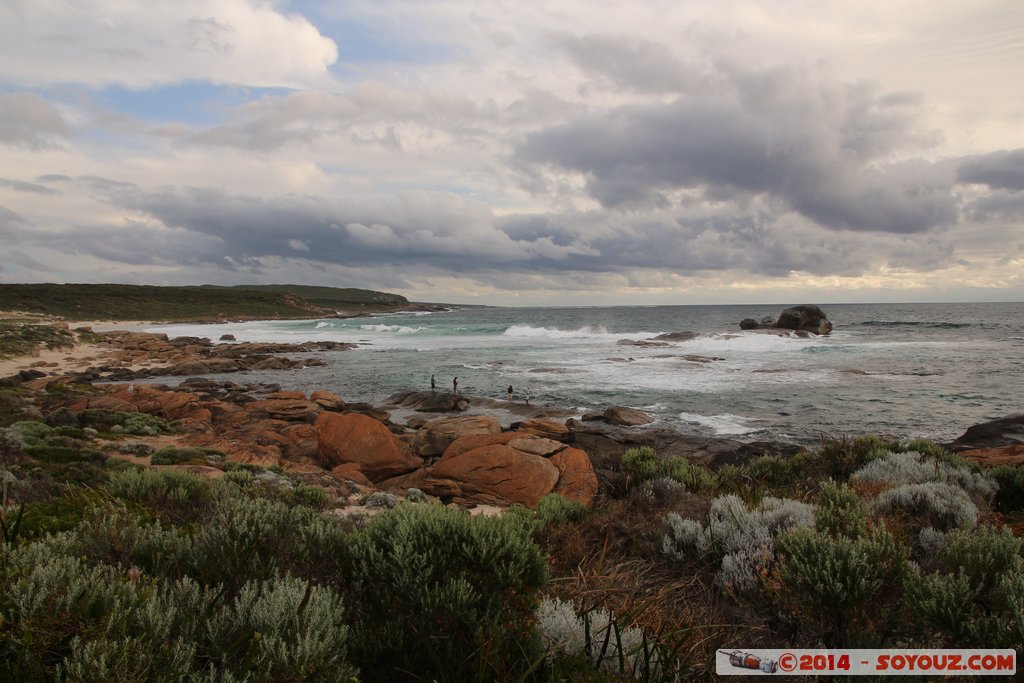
<point x="509" y="392"/>
<point x="455" y="386"/>
<point x="433" y="384"/>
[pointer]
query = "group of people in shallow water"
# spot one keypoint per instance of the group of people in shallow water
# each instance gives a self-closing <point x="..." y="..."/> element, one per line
<point x="455" y="388"/>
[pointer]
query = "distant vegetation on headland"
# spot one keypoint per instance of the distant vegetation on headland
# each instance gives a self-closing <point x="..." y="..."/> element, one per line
<point x="201" y="303"/>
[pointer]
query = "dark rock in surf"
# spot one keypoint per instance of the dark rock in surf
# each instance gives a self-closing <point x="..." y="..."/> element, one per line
<point x="1006" y="431"/>
<point x="807" y="317"/>
<point x="748" y="324"/>
<point x="675" y="336"/>
<point x="429" y="401"/>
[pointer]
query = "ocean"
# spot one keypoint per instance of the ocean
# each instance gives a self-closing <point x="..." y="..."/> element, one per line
<point x="908" y="370"/>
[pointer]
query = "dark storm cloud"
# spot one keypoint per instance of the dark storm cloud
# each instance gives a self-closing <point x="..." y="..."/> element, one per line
<point x="422" y="234"/>
<point x="22" y="186"/>
<point x="999" y="170"/>
<point x="817" y="148"/>
<point x="997" y="205"/>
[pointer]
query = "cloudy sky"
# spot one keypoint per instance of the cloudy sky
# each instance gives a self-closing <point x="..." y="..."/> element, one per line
<point x="578" y="152"/>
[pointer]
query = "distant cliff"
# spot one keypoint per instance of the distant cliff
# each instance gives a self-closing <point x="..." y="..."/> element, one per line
<point x="207" y="302"/>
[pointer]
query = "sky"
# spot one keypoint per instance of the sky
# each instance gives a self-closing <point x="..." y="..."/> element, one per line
<point x="521" y="153"/>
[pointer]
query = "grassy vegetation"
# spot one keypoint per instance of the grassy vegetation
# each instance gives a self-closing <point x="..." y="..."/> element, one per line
<point x="119" y="572"/>
<point x="27" y="339"/>
<point x="143" y="302"/>
<point x="329" y="297"/>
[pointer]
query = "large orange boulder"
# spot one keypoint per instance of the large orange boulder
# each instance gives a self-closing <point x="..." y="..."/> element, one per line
<point x="468" y="443"/>
<point x="499" y="474"/>
<point x="290" y="409"/>
<point x="576" y="477"/>
<point x="355" y="438"/>
<point x="435" y="436"/>
<point x="328" y="400"/>
<point x="546" y="428"/>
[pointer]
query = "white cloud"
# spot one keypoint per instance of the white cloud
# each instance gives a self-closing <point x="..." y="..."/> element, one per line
<point x="143" y="44"/>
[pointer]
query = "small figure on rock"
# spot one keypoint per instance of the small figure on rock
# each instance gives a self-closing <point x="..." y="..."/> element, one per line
<point x="527" y="392"/>
<point x="455" y="386"/>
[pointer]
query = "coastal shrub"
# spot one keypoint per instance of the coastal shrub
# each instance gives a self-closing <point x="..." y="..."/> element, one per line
<point x="62" y="417"/>
<point x="642" y="464"/>
<point x="658" y="493"/>
<point x="975" y="596"/>
<point x="64" y="618"/>
<point x="557" y="509"/>
<point x="254" y="538"/>
<point x="742" y="538"/>
<point x="47" y="598"/>
<point x="598" y="637"/>
<point x="177" y="496"/>
<point x="114" y="535"/>
<point x="832" y="583"/>
<point x="840" y="511"/>
<point x="415" y="495"/>
<point x="933" y="504"/>
<point x="914" y="467"/>
<point x="693" y="477"/>
<point x="16" y="408"/>
<point x="139" y="424"/>
<point x="1010" y="478"/>
<point x="379" y="499"/>
<point x="283" y="629"/>
<point x="443" y="594"/>
<point x="844" y="455"/>
<point x="172" y="455"/>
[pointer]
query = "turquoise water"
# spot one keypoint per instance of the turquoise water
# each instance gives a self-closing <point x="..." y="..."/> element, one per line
<point x="911" y="370"/>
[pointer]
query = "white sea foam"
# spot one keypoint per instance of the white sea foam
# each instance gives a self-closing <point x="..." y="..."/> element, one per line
<point x="725" y="423"/>
<point x="400" y="329"/>
<point x="748" y="342"/>
<point x="585" y="332"/>
<point x="323" y="323"/>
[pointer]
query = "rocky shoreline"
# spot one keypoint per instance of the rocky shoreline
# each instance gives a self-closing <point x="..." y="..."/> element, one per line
<point x="357" y="449"/>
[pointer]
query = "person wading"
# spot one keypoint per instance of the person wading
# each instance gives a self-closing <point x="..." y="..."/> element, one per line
<point x="509" y="392"/>
<point x="455" y="386"/>
<point x="433" y="384"/>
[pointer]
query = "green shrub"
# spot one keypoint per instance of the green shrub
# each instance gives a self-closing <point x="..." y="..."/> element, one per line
<point x="693" y="477"/>
<point x="172" y="455"/>
<point x="105" y="420"/>
<point x="444" y="595"/>
<point x="1010" y="497"/>
<point x="844" y="455"/>
<point x="557" y="509"/>
<point x="975" y="597"/>
<point x="254" y="538"/>
<point x="66" y="619"/>
<point x="831" y="583"/>
<point x="741" y="539"/>
<point x="177" y="496"/>
<point x="642" y="464"/>
<point x="285" y="629"/>
<point x="932" y="504"/>
<point x="840" y="511"/>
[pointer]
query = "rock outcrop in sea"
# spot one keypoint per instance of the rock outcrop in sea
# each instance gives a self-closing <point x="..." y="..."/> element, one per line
<point x="806" y="319"/>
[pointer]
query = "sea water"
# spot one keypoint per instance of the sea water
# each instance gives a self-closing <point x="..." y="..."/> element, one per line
<point x="910" y="370"/>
